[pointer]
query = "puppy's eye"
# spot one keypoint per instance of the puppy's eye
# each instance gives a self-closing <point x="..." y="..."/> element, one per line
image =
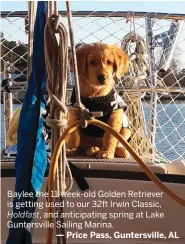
<point x="109" y="62"/>
<point x="93" y="62"/>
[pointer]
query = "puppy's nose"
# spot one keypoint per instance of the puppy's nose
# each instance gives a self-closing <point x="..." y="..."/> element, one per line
<point x="101" y="78"/>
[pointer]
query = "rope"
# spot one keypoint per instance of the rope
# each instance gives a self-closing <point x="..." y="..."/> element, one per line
<point x="134" y="45"/>
<point x="82" y="111"/>
<point x="73" y="52"/>
<point x="53" y="166"/>
<point x="138" y="64"/>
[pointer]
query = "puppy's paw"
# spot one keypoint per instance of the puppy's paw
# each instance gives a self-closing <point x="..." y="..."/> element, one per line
<point x="105" y="154"/>
<point x="121" y="152"/>
<point x="71" y="152"/>
<point x="92" y="151"/>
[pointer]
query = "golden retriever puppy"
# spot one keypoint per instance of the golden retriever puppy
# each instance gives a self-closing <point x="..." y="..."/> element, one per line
<point x="99" y="65"/>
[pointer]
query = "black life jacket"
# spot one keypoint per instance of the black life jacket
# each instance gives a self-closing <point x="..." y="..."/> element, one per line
<point x="107" y="104"/>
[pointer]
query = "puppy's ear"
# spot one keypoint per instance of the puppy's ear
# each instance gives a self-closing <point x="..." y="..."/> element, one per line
<point x="81" y="55"/>
<point x="121" y="62"/>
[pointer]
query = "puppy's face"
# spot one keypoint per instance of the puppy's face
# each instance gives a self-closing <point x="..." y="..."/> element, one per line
<point x="100" y="64"/>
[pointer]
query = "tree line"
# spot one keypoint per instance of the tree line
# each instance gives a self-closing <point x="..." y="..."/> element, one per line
<point x="16" y="54"/>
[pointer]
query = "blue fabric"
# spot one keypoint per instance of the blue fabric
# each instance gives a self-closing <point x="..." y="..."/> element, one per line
<point x="31" y="160"/>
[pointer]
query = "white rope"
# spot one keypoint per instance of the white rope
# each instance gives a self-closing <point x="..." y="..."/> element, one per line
<point x="82" y="111"/>
<point x="135" y="47"/>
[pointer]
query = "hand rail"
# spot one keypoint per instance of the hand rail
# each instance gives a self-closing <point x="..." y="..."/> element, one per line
<point x="123" y="14"/>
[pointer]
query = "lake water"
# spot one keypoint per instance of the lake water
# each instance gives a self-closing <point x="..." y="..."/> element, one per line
<point x="170" y="136"/>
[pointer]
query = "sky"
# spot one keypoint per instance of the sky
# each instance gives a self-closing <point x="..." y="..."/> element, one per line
<point x="159" y="6"/>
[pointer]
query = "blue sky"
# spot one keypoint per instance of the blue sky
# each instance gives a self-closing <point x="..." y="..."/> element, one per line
<point x="160" y="6"/>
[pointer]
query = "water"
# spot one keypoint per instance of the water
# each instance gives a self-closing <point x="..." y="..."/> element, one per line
<point x="170" y="133"/>
<point x="170" y="136"/>
<point x="12" y="76"/>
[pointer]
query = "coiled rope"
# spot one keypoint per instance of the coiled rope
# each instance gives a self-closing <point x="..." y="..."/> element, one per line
<point x="135" y="47"/>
